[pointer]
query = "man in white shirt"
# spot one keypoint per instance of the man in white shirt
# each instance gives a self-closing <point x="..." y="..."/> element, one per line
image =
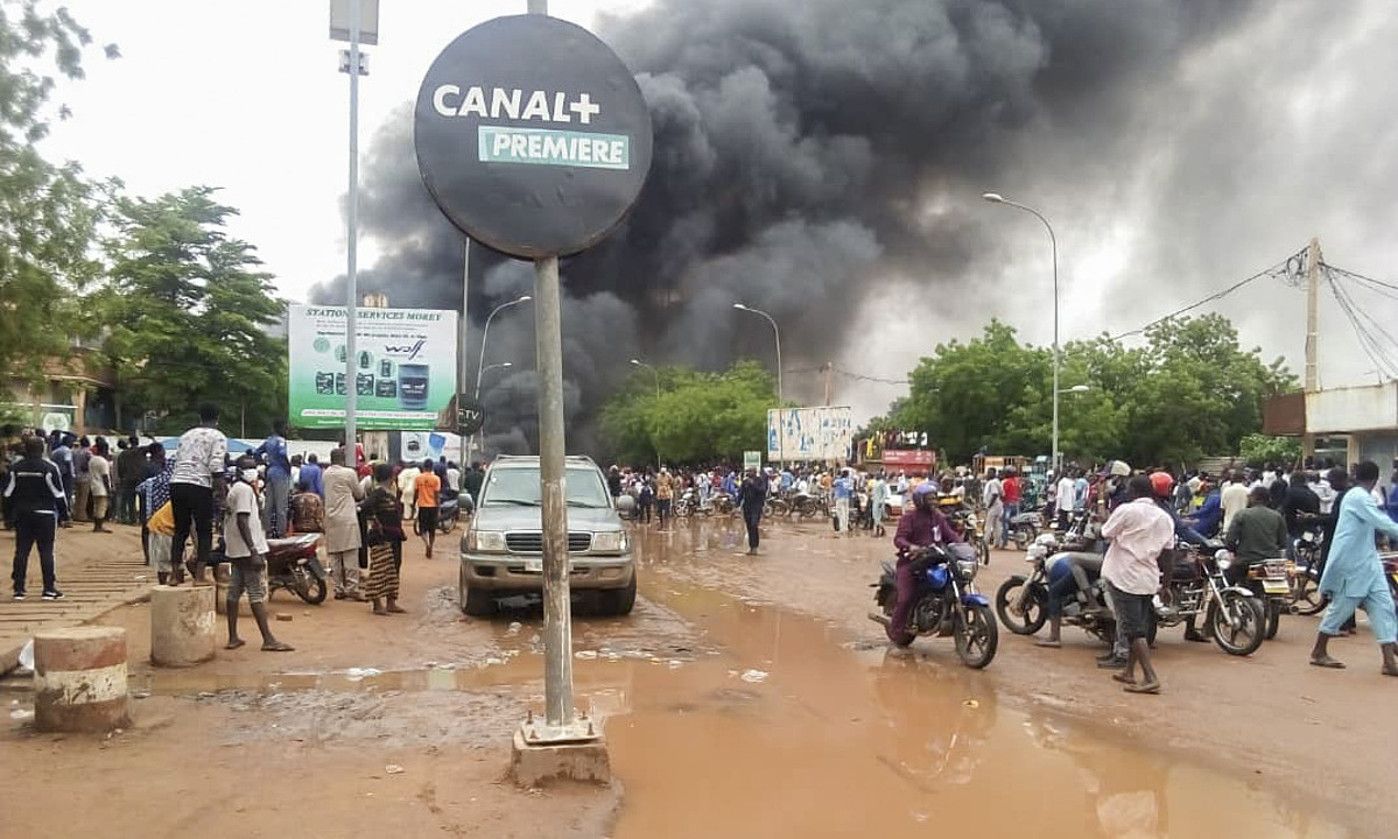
<point x="245" y="545"/>
<point x="1233" y="498"/>
<point x="1064" y="495"/>
<point x="100" y="473"/>
<point x="1324" y="491"/>
<point x="198" y="469"/>
<point x="992" y="496"/>
<point x="1140" y="533"/>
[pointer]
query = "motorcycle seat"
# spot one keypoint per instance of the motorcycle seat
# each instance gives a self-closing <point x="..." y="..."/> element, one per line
<point x="293" y="541"/>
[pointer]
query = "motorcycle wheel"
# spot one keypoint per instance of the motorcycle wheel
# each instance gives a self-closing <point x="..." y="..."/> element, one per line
<point x="1273" y="619"/>
<point x="780" y="508"/>
<point x="976" y="636"/>
<point x="683" y="510"/>
<point x="310" y="588"/>
<point x="1250" y="619"/>
<point x="1035" y="607"/>
<point x="1305" y="595"/>
<point x="983" y="550"/>
<point x="447" y="525"/>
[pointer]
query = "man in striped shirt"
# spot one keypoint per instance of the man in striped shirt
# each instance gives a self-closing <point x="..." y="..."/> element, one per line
<point x="34" y="504"/>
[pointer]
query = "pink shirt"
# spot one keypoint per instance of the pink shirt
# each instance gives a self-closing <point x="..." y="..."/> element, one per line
<point x="1138" y="531"/>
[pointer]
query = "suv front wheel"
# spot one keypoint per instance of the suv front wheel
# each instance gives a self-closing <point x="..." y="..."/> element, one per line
<point x="478" y="603"/>
<point x="618" y="601"/>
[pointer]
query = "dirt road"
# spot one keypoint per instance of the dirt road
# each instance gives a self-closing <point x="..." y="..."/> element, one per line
<point x="744" y="697"/>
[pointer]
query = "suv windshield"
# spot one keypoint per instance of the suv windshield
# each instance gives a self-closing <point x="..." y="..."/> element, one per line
<point x="520" y="487"/>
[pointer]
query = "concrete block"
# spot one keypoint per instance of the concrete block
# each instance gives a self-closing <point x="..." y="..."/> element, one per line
<point x="536" y="765"/>
<point x="80" y="679"/>
<point x="182" y="625"/>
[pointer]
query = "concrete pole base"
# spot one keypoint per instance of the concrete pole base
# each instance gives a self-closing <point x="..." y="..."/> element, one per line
<point x="182" y="625"/>
<point x="538" y="764"/>
<point x="80" y="679"/>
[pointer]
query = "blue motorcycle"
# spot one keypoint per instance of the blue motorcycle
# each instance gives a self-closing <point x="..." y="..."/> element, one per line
<point x="946" y="602"/>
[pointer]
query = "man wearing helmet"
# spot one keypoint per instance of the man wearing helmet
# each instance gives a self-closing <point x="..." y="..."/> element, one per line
<point x="923" y="527"/>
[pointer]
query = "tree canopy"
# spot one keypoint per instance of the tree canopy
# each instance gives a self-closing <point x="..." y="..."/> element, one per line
<point x="48" y="212"/>
<point x="697" y="416"/>
<point x="187" y="309"/>
<point x="1190" y="391"/>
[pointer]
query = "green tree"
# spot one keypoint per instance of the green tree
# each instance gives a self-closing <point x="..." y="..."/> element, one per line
<point x="1260" y="449"/>
<point x="187" y="310"/>
<point x="1190" y="391"/>
<point x="697" y="416"/>
<point x="48" y="212"/>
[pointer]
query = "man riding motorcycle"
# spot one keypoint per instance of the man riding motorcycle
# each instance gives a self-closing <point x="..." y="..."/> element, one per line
<point x="924" y="527"/>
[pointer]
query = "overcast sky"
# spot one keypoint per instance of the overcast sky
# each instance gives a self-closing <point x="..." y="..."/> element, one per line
<point x="1282" y="130"/>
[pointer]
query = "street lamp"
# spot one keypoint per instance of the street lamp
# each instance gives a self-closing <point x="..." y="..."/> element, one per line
<point x="997" y="198"/>
<point x="781" y="454"/>
<point x="498" y="366"/>
<point x="1076" y="389"/>
<point x="654" y="372"/>
<point x="485" y="333"/>
<point x="777" y="334"/>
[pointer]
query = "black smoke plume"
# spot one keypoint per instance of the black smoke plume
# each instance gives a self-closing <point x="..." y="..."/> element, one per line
<point x="804" y="158"/>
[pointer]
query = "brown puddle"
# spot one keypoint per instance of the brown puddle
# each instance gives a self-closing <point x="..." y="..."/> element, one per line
<point x="788" y="731"/>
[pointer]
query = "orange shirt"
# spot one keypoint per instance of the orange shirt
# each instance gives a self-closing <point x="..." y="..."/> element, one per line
<point x="427" y="486"/>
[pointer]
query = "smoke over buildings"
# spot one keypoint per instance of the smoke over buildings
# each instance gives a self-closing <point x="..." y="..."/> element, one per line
<point x="821" y="160"/>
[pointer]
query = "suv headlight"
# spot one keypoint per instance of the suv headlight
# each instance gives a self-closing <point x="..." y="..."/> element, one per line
<point x="610" y="541"/>
<point x="485" y="541"/>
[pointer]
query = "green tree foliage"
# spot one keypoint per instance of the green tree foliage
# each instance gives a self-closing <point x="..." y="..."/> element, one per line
<point x="48" y="212"/>
<point x="1190" y="391"/>
<point x="697" y="416"/>
<point x="187" y="310"/>
<point x="1260" y="449"/>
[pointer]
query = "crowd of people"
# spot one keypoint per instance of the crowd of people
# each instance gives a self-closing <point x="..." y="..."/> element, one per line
<point x="228" y="508"/>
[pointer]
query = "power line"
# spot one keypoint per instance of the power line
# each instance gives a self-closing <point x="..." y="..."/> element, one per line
<point x="1357" y="276"/>
<point x="1286" y="269"/>
<point x="1383" y="362"/>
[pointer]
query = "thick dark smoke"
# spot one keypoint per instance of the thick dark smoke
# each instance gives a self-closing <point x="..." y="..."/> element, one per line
<point x="803" y="155"/>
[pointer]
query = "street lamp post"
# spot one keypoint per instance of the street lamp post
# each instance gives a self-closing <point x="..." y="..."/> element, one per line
<point x="480" y="362"/>
<point x="776" y="333"/>
<point x="656" y="373"/>
<point x="996" y="198"/>
<point x="485" y="333"/>
<point x="653" y="372"/>
<point x="497" y="366"/>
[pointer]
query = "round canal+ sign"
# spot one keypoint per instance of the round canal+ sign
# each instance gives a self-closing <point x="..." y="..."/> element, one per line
<point x="532" y="136"/>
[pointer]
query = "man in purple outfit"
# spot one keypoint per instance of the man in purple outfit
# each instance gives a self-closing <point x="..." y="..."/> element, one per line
<point x="924" y="526"/>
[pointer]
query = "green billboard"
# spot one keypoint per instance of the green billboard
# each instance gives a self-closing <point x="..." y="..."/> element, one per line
<point x="405" y="367"/>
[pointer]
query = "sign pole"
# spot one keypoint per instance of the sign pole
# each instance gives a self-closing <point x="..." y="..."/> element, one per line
<point x="465" y="325"/>
<point x="558" y="628"/>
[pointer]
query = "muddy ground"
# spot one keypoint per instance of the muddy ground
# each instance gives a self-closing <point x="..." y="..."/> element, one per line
<point x="744" y="697"/>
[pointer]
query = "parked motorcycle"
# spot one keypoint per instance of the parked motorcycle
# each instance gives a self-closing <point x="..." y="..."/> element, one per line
<point x="971" y="527"/>
<point x="449" y="514"/>
<point x="293" y="564"/>
<point x="1305" y="596"/>
<point x="1025" y="527"/>
<point x="1232" y="614"/>
<point x="946" y="603"/>
<point x="1270" y="582"/>
<point x="1022" y="600"/>
<point x="804" y="505"/>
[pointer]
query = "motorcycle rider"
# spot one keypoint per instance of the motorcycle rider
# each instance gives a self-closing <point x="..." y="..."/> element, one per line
<point x="1255" y="534"/>
<point x="924" y="527"/>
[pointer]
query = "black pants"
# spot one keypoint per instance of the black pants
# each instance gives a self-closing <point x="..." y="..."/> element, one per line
<point x="750" y="519"/>
<point x="34" y="529"/>
<point x="192" y="505"/>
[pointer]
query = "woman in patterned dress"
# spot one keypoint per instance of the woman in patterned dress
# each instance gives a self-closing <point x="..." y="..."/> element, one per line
<point x="384" y="515"/>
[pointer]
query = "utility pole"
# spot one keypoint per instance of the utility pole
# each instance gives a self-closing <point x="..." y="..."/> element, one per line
<point x="1312" y="334"/>
<point x="461" y="354"/>
<point x="1312" y="313"/>
<point x="829" y="372"/>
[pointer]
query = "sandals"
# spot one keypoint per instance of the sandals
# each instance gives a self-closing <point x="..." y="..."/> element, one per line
<point x="235" y="644"/>
<point x="1328" y="662"/>
<point x="277" y="647"/>
<point x="1152" y="688"/>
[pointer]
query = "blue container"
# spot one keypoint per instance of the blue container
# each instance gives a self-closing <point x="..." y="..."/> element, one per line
<point x="412" y="386"/>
